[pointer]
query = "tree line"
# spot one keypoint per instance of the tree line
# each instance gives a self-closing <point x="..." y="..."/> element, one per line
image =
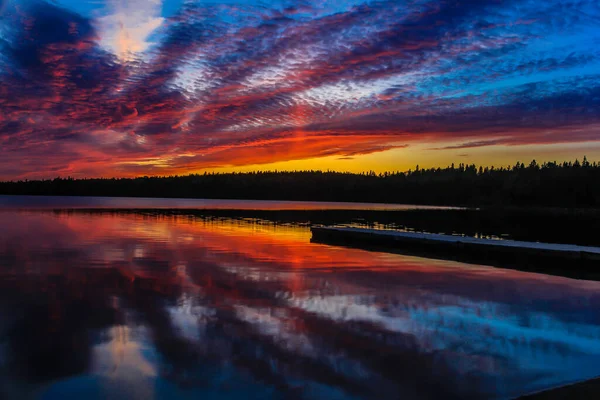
<point x="550" y="184"/>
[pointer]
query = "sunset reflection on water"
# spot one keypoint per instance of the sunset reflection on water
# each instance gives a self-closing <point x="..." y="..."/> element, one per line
<point x="132" y="305"/>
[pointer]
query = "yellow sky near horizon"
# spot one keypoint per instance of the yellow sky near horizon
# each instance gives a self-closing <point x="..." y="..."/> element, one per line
<point x="403" y="159"/>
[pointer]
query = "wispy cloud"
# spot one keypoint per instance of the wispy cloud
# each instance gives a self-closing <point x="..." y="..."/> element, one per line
<point x="236" y="84"/>
<point x="126" y="29"/>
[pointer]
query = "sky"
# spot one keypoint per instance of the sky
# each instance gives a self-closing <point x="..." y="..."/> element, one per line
<point x="159" y="87"/>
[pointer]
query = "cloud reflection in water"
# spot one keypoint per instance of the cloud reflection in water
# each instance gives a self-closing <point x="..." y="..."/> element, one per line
<point x="155" y="306"/>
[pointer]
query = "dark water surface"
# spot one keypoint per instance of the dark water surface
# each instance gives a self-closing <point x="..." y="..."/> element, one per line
<point x="130" y="305"/>
<point x="83" y="202"/>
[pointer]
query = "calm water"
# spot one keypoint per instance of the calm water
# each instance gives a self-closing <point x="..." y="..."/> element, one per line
<point x="80" y="202"/>
<point x="125" y="305"/>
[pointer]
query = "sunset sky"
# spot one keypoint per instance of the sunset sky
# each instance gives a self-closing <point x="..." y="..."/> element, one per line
<point x="158" y="87"/>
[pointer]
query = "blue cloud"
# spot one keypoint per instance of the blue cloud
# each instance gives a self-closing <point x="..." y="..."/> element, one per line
<point x="217" y="78"/>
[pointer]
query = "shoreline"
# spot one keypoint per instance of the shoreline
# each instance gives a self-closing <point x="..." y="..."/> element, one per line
<point x="587" y="389"/>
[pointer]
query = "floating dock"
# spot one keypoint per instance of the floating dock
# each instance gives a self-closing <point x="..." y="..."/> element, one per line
<point x="511" y="253"/>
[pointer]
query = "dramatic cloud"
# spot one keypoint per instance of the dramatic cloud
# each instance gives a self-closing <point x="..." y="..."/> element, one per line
<point x="160" y="87"/>
<point x="126" y="30"/>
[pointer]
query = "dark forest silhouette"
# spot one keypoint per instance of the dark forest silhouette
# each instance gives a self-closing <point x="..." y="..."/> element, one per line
<point x="551" y="184"/>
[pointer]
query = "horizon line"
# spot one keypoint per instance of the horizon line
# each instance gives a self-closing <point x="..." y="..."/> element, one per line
<point x="330" y="171"/>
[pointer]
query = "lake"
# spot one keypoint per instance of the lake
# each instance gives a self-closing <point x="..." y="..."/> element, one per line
<point x="81" y="202"/>
<point x="131" y="304"/>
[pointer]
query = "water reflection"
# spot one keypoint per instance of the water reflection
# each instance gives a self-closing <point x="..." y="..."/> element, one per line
<point x="156" y="306"/>
<point x="89" y="202"/>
